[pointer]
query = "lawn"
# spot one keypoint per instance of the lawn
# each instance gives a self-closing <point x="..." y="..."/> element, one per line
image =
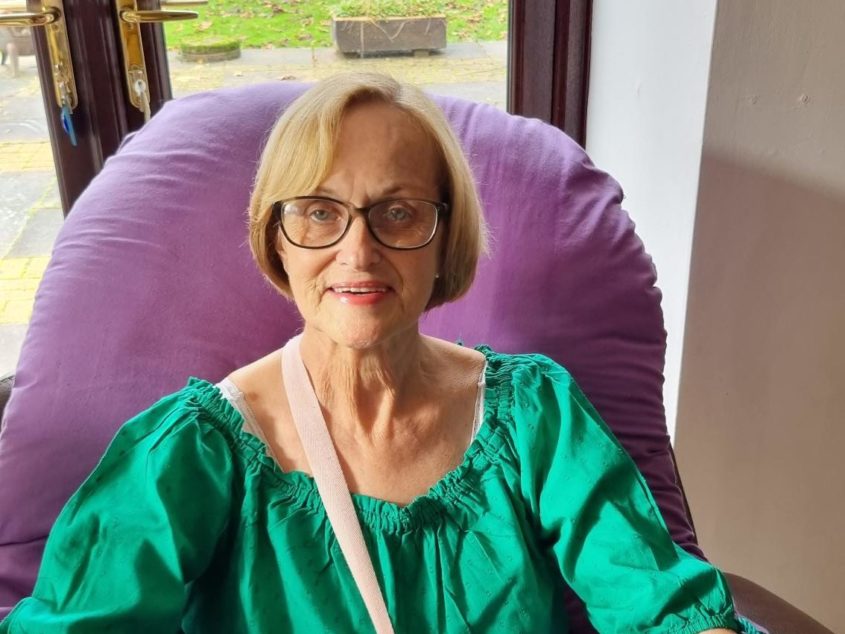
<point x="307" y="23"/>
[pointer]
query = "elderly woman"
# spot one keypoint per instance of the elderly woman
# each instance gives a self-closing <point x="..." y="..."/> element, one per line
<point x="483" y="482"/>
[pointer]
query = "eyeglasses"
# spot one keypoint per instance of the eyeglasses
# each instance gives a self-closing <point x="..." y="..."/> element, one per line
<point x="317" y="222"/>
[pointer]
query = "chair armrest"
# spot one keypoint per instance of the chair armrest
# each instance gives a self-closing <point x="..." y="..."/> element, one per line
<point x="769" y="610"/>
<point x="6" y="383"/>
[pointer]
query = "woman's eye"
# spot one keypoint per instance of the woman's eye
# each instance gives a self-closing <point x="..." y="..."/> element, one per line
<point x="398" y="214"/>
<point x="321" y="215"/>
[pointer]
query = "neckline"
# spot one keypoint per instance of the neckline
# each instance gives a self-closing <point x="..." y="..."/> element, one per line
<point x="445" y="494"/>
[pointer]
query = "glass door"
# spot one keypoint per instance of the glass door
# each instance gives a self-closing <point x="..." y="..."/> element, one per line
<point x="455" y="48"/>
<point x="30" y="208"/>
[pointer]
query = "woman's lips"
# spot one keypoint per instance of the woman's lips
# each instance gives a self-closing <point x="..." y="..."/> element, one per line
<point x="360" y="294"/>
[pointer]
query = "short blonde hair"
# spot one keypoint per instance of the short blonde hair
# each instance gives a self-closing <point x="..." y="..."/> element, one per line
<point x="311" y="125"/>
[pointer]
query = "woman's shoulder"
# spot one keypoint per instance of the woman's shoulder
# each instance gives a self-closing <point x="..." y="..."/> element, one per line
<point x="531" y="396"/>
<point x="509" y="377"/>
<point x="456" y="355"/>
<point x="522" y="371"/>
<point x="196" y="420"/>
<point x="260" y="384"/>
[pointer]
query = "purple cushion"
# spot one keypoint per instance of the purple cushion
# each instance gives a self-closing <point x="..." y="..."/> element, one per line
<point x="151" y="281"/>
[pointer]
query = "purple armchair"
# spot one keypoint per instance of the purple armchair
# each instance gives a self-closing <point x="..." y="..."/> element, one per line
<point x="151" y="281"/>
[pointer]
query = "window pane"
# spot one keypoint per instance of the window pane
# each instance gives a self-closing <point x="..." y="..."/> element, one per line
<point x="30" y="209"/>
<point x="460" y="50"/>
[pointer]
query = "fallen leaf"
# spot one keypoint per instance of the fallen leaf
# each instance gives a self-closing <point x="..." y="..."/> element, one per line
<point x="204" y="26"/>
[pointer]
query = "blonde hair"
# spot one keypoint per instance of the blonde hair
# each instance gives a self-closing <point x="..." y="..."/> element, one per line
<point x="298" y="157"/>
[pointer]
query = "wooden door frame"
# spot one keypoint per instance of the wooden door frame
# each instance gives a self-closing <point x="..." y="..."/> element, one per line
<point x="551" y="87"/>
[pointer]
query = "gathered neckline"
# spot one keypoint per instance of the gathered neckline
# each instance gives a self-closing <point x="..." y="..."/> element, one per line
<point x="300" y="489"/>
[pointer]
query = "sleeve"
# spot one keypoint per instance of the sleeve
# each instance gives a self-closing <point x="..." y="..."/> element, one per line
<point x="597" y="518"/>
<point x="143" y="525"/>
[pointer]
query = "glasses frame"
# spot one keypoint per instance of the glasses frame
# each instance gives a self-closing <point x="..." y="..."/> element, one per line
<point x="441" y="208"/>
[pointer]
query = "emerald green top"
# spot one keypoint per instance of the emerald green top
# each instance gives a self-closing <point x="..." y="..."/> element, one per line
<point x="187" y="522"/>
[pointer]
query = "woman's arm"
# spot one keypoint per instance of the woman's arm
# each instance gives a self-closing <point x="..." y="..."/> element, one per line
<point x="143" y="524"/>
<point x="597" y="517"/>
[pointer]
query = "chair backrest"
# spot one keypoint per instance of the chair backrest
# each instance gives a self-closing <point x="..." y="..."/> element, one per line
<point x="151" y="281"/>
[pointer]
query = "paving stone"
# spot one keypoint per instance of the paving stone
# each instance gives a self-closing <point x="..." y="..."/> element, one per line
<point x="459" y="63"/>
<point x="34" y="155"/>
<point x="21" y="117"/>
<point x="16" y="311"/>
<point x="14" y="290"/>
<point x="20" y="193"/>
<point x="35" y="267"/>
<point x="38" y="235"/>
<point x="11" y="339"/>
<point x="495" y="50"/>
<point x="21" y="106"/>
<point x="12" y="268"/>
<point x="489" y="92"/>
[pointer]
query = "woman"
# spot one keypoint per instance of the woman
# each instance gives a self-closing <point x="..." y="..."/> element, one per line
<point x="483" y="482"/>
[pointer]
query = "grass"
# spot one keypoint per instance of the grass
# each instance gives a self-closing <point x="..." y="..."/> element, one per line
<point x="307" y="23"/>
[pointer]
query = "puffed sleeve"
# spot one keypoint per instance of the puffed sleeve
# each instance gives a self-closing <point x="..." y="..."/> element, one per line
<point x="599" y="521"/>
<point x="143" y="525"/>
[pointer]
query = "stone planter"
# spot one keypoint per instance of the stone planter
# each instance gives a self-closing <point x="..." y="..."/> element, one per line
<point x="210" y="49"/>
<point x="15" y="41"/>
<point x="364" y="36"/>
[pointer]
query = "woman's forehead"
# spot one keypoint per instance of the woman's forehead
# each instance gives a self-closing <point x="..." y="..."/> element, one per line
<point x="381" y="123"/>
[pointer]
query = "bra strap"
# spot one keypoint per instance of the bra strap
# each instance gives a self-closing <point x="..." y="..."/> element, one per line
<point x="332" y="486"/>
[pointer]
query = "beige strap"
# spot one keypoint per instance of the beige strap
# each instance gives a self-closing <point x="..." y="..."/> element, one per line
<point x="328" y="475"/>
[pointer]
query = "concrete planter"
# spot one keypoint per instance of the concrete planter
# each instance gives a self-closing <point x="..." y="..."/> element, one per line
<point x="363" y="36"/>
<point x="210" y="49"/>
<point x="15" y="41"/>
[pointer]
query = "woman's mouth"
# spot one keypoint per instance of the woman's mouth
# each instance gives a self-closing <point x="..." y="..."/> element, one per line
<point x="361" y="294"/>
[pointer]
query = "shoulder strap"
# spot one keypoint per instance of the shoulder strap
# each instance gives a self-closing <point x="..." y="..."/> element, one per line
<point x="328" y="475"/>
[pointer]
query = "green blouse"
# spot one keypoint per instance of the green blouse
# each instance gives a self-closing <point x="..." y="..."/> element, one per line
<point x="187" y="523"/>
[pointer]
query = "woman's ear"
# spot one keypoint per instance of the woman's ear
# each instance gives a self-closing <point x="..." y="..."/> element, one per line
<point x="441" y="253"/>
<point x="280" y="250"/>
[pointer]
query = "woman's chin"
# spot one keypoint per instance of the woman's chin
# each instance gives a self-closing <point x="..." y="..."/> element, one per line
<point x="362" y="338"/>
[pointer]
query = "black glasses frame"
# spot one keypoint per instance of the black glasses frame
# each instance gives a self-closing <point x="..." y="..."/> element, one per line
<point x="441" y="208"/>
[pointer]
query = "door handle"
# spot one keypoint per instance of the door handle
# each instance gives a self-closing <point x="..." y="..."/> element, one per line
<point x="52" y="18"/>
<point x="134" y="65"/>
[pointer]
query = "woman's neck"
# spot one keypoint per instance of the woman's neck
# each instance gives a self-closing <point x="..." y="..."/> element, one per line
<point x="366" y="390"/>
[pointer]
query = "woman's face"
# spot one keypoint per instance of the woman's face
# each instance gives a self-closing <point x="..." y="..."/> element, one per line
<point x="381" y="154"/>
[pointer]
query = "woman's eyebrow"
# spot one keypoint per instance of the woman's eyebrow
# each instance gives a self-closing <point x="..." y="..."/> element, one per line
<point x="383" y="194"/>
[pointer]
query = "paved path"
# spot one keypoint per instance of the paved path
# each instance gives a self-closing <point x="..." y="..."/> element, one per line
<point x="30" y="210"/>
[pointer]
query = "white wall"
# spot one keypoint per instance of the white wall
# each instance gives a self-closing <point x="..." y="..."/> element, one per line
<point x="760" y="434"/>
<point x="648" y="87"/>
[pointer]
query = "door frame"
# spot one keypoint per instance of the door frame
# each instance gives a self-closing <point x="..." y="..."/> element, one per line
<point x="552" y="87"/>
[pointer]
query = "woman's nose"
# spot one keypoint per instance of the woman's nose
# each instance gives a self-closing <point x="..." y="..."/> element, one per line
<point x="358" y="248"/>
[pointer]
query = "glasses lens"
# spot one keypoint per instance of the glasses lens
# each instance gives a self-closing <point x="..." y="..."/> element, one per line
<point x="403" y="224"/>
<point x="313" y="222"/>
